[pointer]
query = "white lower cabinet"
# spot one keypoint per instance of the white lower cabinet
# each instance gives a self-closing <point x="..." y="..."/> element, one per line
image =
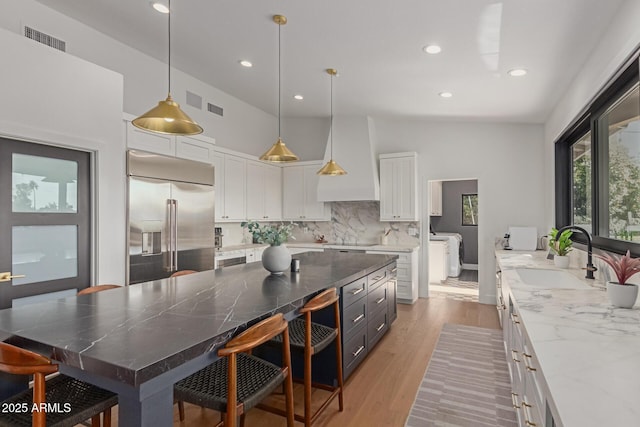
<point x="254" y="254"/>
<point x="406" y="274"/>
<point x="438" y="261"/>
<point x="526" y="379"/>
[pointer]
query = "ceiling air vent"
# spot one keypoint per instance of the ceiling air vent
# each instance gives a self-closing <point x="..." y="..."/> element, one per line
<point x="194" y="100"/>
<point x="43" y="38"/>
<point x="214" y="109"/>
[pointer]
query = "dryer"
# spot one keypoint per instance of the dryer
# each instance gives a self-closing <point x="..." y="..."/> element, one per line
<point x="456" y="251"/>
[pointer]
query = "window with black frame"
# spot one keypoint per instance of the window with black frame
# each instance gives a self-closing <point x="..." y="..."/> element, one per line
<point x="469" y="209"/>
<point x="598" y="167"/>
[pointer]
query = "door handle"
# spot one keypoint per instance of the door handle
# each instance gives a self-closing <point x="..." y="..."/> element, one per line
<point x="6" y="276"/>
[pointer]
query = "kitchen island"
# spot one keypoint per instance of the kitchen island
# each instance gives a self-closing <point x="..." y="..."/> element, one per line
<point x="139" y="340"/>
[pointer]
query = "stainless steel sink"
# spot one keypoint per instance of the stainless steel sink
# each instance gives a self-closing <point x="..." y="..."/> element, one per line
<point x="550" y="279"/>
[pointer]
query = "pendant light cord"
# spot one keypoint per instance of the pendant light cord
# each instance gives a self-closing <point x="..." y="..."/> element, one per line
<point x="279" y="77"/>
<point x="169" y="32"/>
<point x="331" y="120"/>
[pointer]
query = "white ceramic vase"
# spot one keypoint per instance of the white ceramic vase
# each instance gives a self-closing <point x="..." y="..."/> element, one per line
<point x="623" y="296"/>
<point x="276" y="259"/>
<point x="561" y="261"/>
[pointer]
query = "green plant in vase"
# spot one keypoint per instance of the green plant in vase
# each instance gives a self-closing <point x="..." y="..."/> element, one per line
<point x="273" y="235"/>
<point x="276" y="258"/>
<point x="560" y="245"/>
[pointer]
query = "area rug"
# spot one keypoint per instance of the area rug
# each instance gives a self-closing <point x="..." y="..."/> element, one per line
<point x="466" y="382"/>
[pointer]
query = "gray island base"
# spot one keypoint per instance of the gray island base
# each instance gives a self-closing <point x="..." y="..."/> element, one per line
<point x="139" y="340"/>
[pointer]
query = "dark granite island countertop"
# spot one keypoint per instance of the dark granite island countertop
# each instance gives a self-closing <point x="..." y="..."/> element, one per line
<point x="143" y="338"/>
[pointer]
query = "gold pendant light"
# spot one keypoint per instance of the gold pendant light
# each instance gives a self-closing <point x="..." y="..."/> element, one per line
<point x="331" y="168"/>
<point x="167" y="117"/>
<point x="279" y="151"/>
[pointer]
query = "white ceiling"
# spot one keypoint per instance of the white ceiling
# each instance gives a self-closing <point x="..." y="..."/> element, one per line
<point x="376" y="45"/>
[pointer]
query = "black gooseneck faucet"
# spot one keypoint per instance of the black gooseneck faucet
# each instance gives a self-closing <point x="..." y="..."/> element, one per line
<point x="590" y="267"/>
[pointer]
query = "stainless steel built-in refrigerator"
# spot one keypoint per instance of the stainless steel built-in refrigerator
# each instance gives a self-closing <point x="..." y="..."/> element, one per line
<point x="170" y="216"/>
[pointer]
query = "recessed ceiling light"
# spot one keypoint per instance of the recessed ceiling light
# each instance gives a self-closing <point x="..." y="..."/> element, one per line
<point x="298" y="97"/>
<point x="160" y="7"/>
<point x="246" y="63"/>
<point x="517" y="72"/>
<point x="432" y="49"/>
<point x="445" y="94"/>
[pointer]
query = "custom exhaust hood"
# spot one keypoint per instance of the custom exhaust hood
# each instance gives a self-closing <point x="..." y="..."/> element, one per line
<point x="353" y="150"/>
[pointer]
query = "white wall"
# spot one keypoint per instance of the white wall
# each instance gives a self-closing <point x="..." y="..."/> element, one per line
<point x="244" y="128"/>
<point x="309" y="136"/>
<point x="54" y="98"/>
<point x="507" y="160"/>
<point x="619" y="41"/>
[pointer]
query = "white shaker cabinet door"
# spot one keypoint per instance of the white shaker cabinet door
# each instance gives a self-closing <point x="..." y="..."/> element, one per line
<point x="234" y="188"/>
<point x="314" y="210"/>
<point x="293" y="193"/>
<point x="272" y="193"/>
<point x="255" y="191"/>
<point x="218" y="167"/>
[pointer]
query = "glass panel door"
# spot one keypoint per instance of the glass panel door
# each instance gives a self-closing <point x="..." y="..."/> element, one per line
<point x="45" y="221"/>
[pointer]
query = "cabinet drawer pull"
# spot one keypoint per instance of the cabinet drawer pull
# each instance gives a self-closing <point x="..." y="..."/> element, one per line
<point x="527" y="357"/>
<point x="514" y="318"/>
<point x="375" y="279"/>
<point x="356" y="291"/>
<point x="378" y="301"/>
<point x="358" y="351"/>
<point x="380" y="327"/>
<point x="357" y="319"/>
<point x="514" y="400"/>
<point x="514" y="356"/>
<point x="394" y="269"/>
<point x="527" y="415"/>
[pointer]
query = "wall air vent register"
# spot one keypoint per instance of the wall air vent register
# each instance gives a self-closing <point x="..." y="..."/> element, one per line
<point x="45" y="39"/>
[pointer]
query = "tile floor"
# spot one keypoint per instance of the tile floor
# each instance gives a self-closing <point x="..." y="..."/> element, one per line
<point x="461" y="288"/>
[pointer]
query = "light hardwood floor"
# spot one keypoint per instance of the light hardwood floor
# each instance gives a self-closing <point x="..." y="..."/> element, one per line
<point x="380" y="392"/>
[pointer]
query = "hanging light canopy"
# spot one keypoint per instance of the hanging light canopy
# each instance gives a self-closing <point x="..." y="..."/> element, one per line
<point x="167" y="117"/>
<point x="331" y="168"/>
<point x="279" y="151"/>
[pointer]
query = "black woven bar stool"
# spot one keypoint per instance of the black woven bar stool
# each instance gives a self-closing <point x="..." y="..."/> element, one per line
<point x="311" y="338"/>
<point x="237" y="381"/>
<point x="84" y="400"/>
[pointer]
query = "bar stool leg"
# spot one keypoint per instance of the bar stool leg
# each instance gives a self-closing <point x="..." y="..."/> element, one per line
<point x="307" y="370"/>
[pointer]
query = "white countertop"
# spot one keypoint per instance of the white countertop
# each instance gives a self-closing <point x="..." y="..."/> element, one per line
<point x="588" y="351"/>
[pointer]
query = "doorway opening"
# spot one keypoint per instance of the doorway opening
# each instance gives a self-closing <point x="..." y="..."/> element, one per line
<point x="453" y="239"/>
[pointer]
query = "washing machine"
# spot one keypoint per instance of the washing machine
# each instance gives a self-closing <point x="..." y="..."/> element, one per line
<point x="456" y="251"/>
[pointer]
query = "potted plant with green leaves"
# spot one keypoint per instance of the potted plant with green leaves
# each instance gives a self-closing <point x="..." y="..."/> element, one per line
<point x="621" y="293"/>
<point x="560" y="245"/>
<point x="276" y="258"/>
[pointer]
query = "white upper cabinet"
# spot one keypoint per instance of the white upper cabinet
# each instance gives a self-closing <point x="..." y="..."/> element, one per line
<point x="300" y="194"/>
<point x="435" y="190"/>
<point x="196" y="147"/>
<point x="230" y="180"/>
<point x="264" y="191"/>
<point x="398" y="187"/>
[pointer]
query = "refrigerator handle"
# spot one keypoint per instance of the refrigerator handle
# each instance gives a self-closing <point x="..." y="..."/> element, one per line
<point x="171" y="225"/>
<point x="175" y="235"/>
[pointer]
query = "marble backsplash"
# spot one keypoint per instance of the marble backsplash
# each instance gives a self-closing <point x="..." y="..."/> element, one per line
<point x="351" y="223"/>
